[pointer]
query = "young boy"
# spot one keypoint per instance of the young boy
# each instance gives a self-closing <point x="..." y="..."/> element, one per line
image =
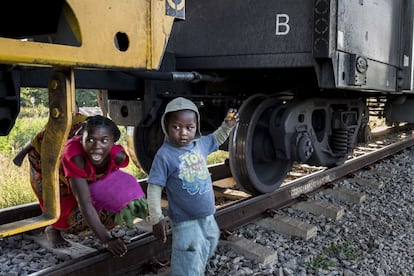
<point x="180" y="166"/>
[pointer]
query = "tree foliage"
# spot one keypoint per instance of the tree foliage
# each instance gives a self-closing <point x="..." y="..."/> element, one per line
<point x="39" y="96"/>
<point x="87" y="97"/>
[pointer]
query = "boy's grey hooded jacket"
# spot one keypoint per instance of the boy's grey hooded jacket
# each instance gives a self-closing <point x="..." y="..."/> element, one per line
<point x="177" y="104"/>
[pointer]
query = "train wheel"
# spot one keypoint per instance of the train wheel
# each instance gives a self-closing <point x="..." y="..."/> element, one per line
<point x="364" y="134"/>
<point x="147" y="140"/>
<point x="253" y="160"/>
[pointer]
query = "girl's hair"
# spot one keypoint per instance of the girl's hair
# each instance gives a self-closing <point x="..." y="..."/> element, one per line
<point x="100" y="121"/>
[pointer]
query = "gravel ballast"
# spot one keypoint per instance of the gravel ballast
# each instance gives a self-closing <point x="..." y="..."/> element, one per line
<point x="375" y="237"/>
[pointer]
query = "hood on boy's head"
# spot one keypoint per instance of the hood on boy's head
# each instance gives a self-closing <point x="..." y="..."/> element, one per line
<point x="177" y="104"/>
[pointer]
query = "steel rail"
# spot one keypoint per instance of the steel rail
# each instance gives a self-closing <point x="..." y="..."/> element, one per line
<point x="149" y="250"/>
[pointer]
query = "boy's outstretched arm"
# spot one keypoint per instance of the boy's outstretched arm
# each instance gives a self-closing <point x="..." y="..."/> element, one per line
<point x="222" y="133"/>
<point x="156" y="218"/>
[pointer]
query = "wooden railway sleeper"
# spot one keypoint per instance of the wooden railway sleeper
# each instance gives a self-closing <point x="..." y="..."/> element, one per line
<point x="225" y="234"/>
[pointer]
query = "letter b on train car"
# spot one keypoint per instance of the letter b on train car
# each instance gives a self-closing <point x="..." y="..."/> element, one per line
<point x="282" y="26"/>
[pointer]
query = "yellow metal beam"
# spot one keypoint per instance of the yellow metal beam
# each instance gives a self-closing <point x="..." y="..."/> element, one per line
<point x="61" y="106"/>
<point x="114" y="34"/>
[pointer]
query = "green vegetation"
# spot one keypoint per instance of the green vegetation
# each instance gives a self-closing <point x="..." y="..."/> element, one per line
<point x="39" y="97"/>
<point x="28" y="123"/>
<point x="15" y="186"/>
<point x="14" y="181"/>
<point x="347" y="249"/>
<point x="320" y="262"/>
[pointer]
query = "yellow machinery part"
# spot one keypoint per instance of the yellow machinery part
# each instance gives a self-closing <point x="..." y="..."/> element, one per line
<point x="112" y="34"/>
<point x="61" y="106"/>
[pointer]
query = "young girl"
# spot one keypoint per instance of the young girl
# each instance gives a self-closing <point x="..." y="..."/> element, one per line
<point x="180" y="167"/>
<point x="91" y="162"/>
<point x="92" y="188"/>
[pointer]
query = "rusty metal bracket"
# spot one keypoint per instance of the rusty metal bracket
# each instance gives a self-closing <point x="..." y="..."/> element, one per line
<point x="225" y="234"/>
<point x="303" y="197"/>
<point x="156" y="266"/>
<point x="329" y="185"/>
<point x="271" y="212"/>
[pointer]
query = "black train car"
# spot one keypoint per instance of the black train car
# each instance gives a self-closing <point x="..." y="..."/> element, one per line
<point x="304" y="74"/>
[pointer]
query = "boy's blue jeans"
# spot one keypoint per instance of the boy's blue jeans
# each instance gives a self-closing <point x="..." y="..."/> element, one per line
<point x="193" y="243"/>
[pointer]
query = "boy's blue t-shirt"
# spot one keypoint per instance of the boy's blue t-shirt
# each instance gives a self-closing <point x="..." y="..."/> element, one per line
<point x="184" y="173"/>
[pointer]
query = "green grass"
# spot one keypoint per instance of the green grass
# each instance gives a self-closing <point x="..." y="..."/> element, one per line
<point x="346" y="249"/>
<point x="320" y="262"/>
<point x="15" y="186"/>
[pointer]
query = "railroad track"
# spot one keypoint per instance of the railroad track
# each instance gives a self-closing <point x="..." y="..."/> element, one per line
<point x="145" y="253"/>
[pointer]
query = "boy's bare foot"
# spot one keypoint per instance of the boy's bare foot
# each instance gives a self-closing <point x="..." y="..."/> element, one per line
<point x="55" y="238"/>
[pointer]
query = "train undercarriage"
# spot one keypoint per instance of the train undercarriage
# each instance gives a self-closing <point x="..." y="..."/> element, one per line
<point x="300" y="73"/>
<point x="274" y="131"/>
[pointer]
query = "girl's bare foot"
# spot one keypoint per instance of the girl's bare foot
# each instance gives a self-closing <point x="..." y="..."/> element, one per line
<point x="55" y="238"/>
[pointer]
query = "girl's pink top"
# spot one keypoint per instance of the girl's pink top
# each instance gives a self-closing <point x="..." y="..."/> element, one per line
<point x="111" y="191"/>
